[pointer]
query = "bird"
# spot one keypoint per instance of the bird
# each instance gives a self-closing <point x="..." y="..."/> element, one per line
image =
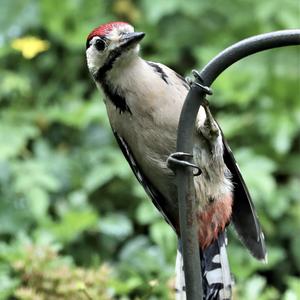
<point x="143" y="100"/>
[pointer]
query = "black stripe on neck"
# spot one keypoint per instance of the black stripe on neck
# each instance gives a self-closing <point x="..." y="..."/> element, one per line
<point x="108" y="65"/>
<point x="113" y="55"/>
<point x="118" y="101"/>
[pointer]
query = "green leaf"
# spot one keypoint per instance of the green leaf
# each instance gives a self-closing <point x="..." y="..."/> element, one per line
<point x="164" y="236"/>
<point x="257" y="171"/>
<point x="38" y="202"/>
<point x="13" y="138"/>
<point x="140" y="256"/>
<point x="7" y="285"/>
<point x="71" y="225"/>
<point x="293" y="292"/>
<point x="116" y="225"/>
<point x="146" y="213"/>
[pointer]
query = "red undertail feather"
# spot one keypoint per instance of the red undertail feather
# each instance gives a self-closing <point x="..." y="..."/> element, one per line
<point x="213" y="219"/>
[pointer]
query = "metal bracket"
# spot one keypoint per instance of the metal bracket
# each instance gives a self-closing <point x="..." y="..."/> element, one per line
<point x="185" y="182"/>
<point x="179" y="159"/>
<point x="206" y="89"/>
<point x="198" y="82"/>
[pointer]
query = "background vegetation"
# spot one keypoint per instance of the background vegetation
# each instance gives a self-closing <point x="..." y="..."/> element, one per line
<point x="74" y="223"/>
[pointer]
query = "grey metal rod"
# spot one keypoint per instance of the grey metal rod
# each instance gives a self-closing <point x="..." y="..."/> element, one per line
<point x="185" y="184"/>
<point x="186" y="201"/>
<point x="246" y="47"/>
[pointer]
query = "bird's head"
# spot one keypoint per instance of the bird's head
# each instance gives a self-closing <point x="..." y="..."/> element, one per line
<point x="111" y="43"/>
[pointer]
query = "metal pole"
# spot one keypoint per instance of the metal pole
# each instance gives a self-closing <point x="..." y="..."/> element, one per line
<point x="245" y="48"/>
<point x="186" y="200"/>
<point x="184" y="176"/>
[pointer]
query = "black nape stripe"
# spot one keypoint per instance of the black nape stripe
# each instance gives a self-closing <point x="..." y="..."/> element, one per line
<point x="113" y="55"/>
<point x="100" y="76"/>
<point x="158" y="70"/>
<point x="101" y="73"/>
<point x="118" y="100"/>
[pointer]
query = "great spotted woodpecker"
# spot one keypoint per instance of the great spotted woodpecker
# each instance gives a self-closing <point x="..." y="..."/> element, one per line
<point x="144" y="100"/>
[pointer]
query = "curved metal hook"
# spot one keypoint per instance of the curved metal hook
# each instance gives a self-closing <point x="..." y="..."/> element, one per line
<point x="178" y="159"/>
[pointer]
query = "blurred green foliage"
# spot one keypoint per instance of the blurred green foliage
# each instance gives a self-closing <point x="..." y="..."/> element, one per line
<point x="69" y="205"/>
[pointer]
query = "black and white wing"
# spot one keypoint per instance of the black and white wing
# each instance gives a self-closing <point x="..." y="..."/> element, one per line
<point x="244" y="216"/>
<point x="157" y="198"/>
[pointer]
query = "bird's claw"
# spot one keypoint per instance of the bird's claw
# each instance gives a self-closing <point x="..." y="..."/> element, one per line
<point x="198" y="81"/>
<point x="179" y="159"/>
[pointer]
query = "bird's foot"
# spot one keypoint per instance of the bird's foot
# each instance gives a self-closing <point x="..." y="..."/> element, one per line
<point x="198" y="81"/>
<point x="209" y="129"/>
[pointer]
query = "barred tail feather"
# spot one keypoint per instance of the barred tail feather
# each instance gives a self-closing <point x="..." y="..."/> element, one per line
<point x="216" y="273"/>
<point x="180" y="280"/>
<point x="217" y="282"/>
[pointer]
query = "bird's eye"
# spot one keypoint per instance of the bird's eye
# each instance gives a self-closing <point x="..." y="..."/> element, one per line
<point x="100" y="44"/>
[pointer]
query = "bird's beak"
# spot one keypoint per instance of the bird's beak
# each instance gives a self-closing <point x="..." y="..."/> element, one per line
<point x="132" y="38"/>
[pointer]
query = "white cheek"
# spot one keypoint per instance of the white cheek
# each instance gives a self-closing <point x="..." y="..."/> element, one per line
<point x="94" y="59"/>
